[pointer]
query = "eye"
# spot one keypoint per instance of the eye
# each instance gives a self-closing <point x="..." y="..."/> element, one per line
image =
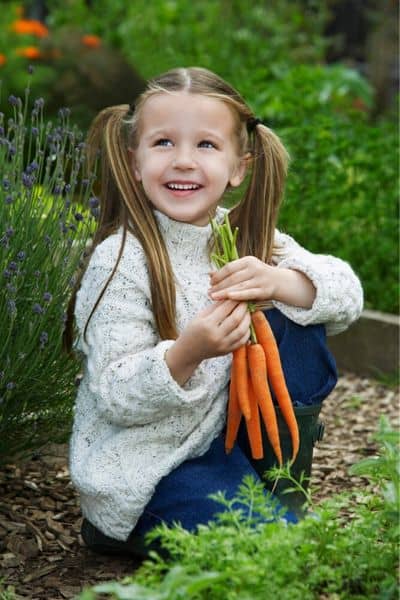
<point x="163" y="142"/>
<point x="207" y="144"/>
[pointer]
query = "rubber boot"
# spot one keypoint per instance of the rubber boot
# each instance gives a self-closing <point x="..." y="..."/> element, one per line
<point x="311" y="430"/>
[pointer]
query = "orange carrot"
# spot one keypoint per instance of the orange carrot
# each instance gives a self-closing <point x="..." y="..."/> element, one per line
<point x="254" y="427"/>
<point x="266" y="338"/>
<point x="234" y="415"/>
<point x="242" y="380"/>
<point x="258" y="375"/>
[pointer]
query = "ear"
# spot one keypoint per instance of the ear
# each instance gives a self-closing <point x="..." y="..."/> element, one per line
<point x="240" y="172"/>
<point x="134" y="165"/>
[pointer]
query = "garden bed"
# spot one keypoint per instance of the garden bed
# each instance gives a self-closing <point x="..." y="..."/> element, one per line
<point x="41" y="552"/>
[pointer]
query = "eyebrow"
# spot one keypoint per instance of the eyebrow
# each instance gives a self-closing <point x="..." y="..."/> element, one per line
<point x="163" y="132"/>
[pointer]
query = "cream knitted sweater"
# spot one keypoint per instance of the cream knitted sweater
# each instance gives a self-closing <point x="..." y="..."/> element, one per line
<point x="133" y="423"/>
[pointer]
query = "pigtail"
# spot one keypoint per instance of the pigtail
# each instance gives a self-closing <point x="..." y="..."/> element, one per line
<point x="122" y="203"/>
<point x="256" y="215"/>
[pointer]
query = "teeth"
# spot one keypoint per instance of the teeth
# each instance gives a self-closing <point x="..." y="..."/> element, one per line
<point x="183" y="186"/>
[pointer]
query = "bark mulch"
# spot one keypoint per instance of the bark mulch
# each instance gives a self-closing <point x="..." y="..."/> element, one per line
<point x="41" y="552"/>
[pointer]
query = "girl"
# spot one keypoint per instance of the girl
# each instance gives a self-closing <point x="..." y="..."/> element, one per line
<point x="157" y="325"/>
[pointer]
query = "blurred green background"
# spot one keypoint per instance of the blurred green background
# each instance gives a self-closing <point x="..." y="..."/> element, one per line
<point x="323" y="74"/>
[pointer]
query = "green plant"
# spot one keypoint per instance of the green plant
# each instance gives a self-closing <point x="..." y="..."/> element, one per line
<point x="326" y="554"/>
<point x="6" y="593"/>
<point x="341" y="198"/>
<point x="46" y="221"/>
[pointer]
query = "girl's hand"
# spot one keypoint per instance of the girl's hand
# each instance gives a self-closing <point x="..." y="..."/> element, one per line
<point x="245" y="279"/>
<point x="215" y="331"/>
<point x="248" y="279"/>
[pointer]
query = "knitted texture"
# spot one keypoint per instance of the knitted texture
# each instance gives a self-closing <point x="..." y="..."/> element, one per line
<point x="133" y="423"/>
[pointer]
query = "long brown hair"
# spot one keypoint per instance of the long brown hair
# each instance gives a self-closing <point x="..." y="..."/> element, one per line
<point x="116" y="130"/>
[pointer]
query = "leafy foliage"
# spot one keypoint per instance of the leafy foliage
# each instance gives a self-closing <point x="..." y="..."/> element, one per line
<point x="326" y="553"/>
<point x="45" y="223"/>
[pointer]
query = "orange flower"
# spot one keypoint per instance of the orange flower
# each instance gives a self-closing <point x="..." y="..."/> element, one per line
<point x="29" y="52"/>
<point x="3" y="59"/>
<point x="91" y="41"/>
<point x="29" y="27"/>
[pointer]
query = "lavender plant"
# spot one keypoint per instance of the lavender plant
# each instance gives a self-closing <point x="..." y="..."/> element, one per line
<point x="47" y="214"/>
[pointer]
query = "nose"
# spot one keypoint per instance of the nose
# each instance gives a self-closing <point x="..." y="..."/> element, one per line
<point x="183" y="158"/>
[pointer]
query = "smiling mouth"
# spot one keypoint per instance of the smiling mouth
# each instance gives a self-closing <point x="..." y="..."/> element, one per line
<point x="183" y="187"/>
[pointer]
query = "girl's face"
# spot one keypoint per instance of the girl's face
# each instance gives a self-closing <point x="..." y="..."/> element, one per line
<point x="187" y="154"/>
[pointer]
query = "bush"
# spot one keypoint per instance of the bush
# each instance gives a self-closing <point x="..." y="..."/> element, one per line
<point x="45" y="224"/>
<point x="325" y="555"/>
<point x="341" y="196"/>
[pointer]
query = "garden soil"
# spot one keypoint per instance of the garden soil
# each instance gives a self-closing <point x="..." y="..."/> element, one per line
<point x="41" y="552"/>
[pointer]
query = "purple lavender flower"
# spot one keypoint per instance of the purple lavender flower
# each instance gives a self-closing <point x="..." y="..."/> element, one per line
<point x="47" y="297"/>
<point x="35" y="131"/>
<point x="1" y="130"/>
<point x="13" y="266"/>
<point x="38" y="309"/>
<point x="43" y="338"/>
<point x="6" y="184"/>
<point x="10" y="385"/>
<point x="37" y="273"/>
<point x="78" y="216"/>
<point x="13" y="100"/>
<point x="27" y="181"/>
<point x="9" y="232"/>
<point x="39" y="103"/>
<point x="47" y="240"/>
<point x="67" y="188"/>
<point x="93" y="202"/>
<point x="30" y="69"/>
<point x="21" y="255"/>
<point x="32" y="167"/>
<point x="57" y="190"/>
<point x="64" y="112"/>
<point x="11" y="307"/>
<point x="11" y="288"/>
<point x="7" y="274"/>
<point x="8" y="199"/>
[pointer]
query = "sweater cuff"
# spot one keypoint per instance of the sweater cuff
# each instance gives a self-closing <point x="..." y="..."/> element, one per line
<point x="321" y="310"/>
<point x="196" y="380"/>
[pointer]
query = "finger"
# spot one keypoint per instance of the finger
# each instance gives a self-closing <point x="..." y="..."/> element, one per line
<point x="238" y="340"/>
<point x="225" y="271"/>
<point x="237" y="321"/>
<point x="234" y="280"/>
<point x="240" y="295"/>
<point x="242" y="341"/>
<point x="218" y="311"/>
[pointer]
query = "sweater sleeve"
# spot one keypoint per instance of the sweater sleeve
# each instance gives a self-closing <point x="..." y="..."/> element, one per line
<point x="125" y="366"/>
<point x="339" y="294"/>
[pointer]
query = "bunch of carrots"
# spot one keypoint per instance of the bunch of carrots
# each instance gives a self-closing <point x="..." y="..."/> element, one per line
<point x="255" y="366"/>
